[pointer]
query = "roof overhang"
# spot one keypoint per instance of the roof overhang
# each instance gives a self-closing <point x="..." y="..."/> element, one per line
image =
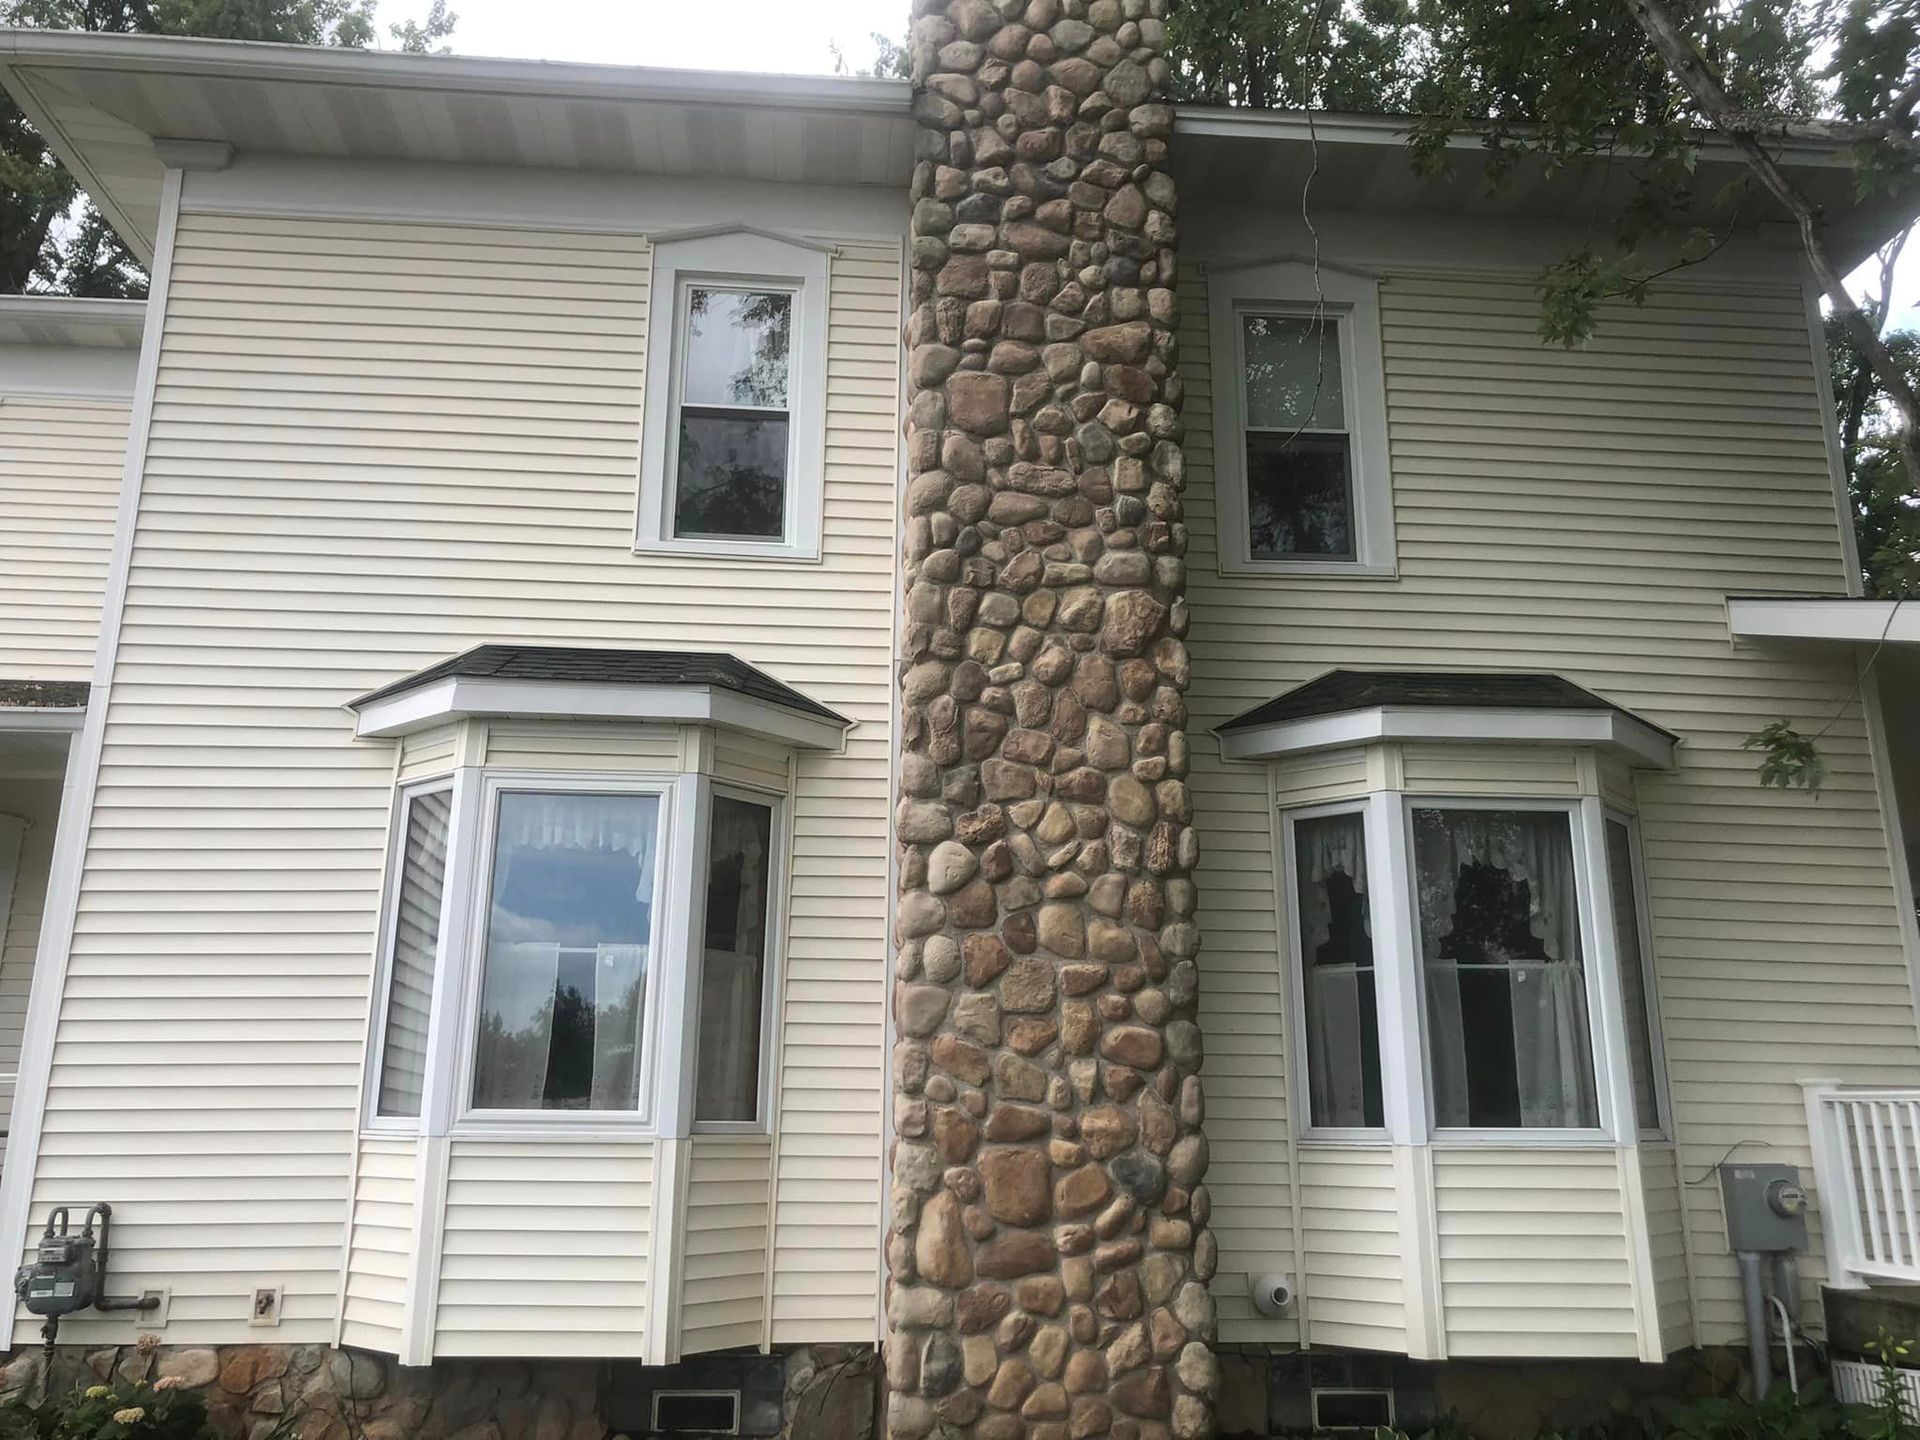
<point x="1233" y="157"/>
<point x="1640" y="744"/>
<point x="1834" y="619"/>
<point x="105" y="102"/>
<point x="52" y="345"/>
<point x="462" y="697"/>
<point x="43" y="705"/>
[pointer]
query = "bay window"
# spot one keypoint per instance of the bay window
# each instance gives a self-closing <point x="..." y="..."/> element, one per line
<point x="534" y="975"/>
<point x="1503" y="902"/>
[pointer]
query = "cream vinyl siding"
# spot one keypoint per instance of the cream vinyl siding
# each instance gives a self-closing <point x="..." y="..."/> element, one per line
<point x="1584" y="512"/>
<point x="1533" y="1252"/>
<point x="1660" y="1180"/>
<point x="427" y="753"/>
<point x="380" y="1238"/>
<point x="583" y="747"/>
<point x="723" y="1288"/>
<point x="373" y="446"/>
<point x="1351" y="1228"/>
<point x="60" y="469"/>
<point x="545" y="1249"/>
<point x="38" y="803"/>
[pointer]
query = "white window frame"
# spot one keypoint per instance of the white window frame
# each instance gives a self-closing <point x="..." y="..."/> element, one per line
<point x="1604" y="1033"/>
<point x="739" y="258"/>
<point x="775" y="963"/>
<point x="403" y="798"/>
<point x="472" y="1120"/>
<point x="1392" y="1056"/>
<point x="1656" y="1027"/>
<point x="1350" y="302"/>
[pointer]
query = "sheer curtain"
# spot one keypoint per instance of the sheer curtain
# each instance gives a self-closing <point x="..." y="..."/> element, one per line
<point x="1336" y="951"/>
<point x="1508" y="1030"/>
<point x="569" y="933"/>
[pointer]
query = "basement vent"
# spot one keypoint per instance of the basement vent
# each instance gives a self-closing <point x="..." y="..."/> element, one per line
<point x="1352" y="1409"/>
<point x="696" y="1412"/>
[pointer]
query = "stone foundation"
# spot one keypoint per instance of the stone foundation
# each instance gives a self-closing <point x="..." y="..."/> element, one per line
<point x="830" y="1391"/>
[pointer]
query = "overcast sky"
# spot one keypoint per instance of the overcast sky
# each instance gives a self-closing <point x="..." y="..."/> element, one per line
<point x="795" y="36"/>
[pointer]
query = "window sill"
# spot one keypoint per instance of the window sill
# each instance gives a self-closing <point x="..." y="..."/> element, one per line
<point x="1537" y="1139"/>
<point x="510" y="1132"/>
<point x="1346" y="1140"/>
<point x="727" y="550"/>
<point x="1316" y="569"/>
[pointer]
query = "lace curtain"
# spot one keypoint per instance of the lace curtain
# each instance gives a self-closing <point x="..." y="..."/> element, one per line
<point x="1499" y="915"/>
<point x="1336" y="947"/>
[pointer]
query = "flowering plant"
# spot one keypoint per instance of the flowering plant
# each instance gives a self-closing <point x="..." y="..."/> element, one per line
<point x="122" y="1410"/>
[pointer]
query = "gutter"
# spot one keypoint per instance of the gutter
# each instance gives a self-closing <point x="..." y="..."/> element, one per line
<point x="259" y="61"/>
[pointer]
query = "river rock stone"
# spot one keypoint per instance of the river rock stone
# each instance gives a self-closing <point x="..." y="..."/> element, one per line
<point x="1044" y="1048"/>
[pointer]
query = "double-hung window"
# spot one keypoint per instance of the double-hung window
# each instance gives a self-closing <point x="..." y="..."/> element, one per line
<point x="733" y="433"/>
<point x="1300" y="436"/>
<point x="1501" y="898"/>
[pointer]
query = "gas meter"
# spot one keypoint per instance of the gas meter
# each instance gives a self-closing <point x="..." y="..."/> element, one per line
<point x="69" y="1270"/>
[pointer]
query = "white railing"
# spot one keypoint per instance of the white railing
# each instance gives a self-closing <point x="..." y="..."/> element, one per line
<point x="1866" y="1175"/>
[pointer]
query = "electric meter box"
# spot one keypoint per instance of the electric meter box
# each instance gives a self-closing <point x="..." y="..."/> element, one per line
<point x="1766" y="1207"/>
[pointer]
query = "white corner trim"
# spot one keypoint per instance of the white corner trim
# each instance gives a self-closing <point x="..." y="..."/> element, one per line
<point x="83" y="770"/>
<point x="1836" y="617"/>
<point x="738" y="227"/>
<point x="1351" y="299"/>
<point x="660" y="1339"/>
<point x="1881" y="761"/>
<point x="1639" y="742"/>
<point x="737" y="256"/>
<point x="462" y="697"/>
<point x="57" y="719"/>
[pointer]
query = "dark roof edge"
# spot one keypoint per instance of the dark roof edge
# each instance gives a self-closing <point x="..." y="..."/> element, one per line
<point x="44" y="694"/>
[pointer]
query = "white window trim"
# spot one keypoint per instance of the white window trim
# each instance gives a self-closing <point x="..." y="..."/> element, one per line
<point x="1352" y="301"/>
<point x="741" y="257"/>
<point x="1603" y="990"/>
<point x="469" y="1120"/>
<point x="1662" y="1132"/>
<point x="373" y="1121"/>
<point x="769" y="979"/>
<point x="1300" y="1070"/>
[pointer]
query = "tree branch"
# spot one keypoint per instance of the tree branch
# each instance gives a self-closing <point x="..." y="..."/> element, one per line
<point x="1697" y="78"/>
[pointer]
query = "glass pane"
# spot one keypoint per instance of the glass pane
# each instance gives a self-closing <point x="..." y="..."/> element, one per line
<point x="732" y="481"/>
<point x="1293" y="373"/>
<point x="569" y="932"/>
<point x="1636" y="1002"/>
<point x="1508" y="1037"/>
<point x="734" y="964"/>
<point x="1336" y="952"/>
<point x="1299" y="497"/>
<point x="416" y="937"/>
<point x="737" y="343"/>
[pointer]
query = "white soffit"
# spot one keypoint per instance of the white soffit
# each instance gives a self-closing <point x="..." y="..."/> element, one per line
<point x="461" y="697"/>
<point x="103" y="100"/>
<point x="1640" y="744"/>
<point x="1838" y="619"/>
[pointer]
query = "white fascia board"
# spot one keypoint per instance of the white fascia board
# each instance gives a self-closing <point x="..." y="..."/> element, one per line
<point x="71" y="372"/>
<point x="261" y="61"/>
<point x="1641" y="743"/>
<point x="58" y="719"/>
<point x="461" y="697"/>
<point x="86" y="322"/>
<point x="1838" y="618"/>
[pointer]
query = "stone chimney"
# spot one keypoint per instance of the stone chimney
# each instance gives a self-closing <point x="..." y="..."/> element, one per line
<point x="1048" y="1255"/>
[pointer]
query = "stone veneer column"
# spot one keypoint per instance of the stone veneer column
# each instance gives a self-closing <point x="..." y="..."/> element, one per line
<point x="1049" y="1254"/>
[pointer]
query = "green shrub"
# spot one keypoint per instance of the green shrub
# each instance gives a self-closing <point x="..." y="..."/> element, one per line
<point x="124" y="1410"/>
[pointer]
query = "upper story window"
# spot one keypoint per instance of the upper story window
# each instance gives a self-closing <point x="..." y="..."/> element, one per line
<point x="1300" y="423"/>
<point x="733" y="440"/>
